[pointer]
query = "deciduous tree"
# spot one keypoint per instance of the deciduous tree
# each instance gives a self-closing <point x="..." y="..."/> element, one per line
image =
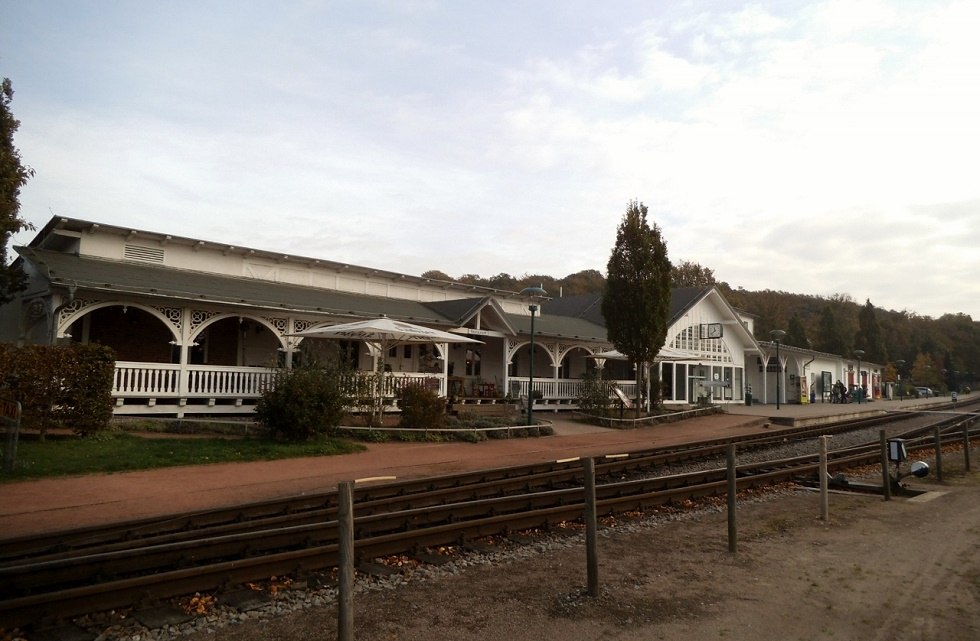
<point x="690" y="274"/>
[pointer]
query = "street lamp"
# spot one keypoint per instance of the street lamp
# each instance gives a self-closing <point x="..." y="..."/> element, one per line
<point x="532" y="293"/>
<point x="901" y="388"/>
<point x="859" y="353"/>
<point x="777" y="335"/>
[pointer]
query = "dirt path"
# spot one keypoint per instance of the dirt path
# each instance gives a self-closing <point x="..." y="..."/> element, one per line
<point x="904" y="570"/>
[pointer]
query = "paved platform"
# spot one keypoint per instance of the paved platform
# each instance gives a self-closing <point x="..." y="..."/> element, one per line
<point x="31" y="507"/>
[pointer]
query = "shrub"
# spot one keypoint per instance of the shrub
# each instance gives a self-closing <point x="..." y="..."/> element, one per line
<point x="302" y="404"/>
<point x="595" y="394"/>
<point x="60" y="385"/>
<point x="421" y="407"/>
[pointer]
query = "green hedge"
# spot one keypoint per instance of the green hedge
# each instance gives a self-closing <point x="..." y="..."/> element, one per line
<point x="67" y="386"/>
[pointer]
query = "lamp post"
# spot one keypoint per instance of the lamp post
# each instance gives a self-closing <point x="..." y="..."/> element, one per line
<point x="901" y="388"/>
<point x="532" y="293"/>
<point x="777" y="335"/>
<point x="859" y="353"/>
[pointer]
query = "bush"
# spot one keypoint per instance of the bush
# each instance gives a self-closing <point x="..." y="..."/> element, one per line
<point x="60" y="385"/>
<point x="421" y="407"/>
<point x="595" y="394"/>
<point x="302" y="404"/>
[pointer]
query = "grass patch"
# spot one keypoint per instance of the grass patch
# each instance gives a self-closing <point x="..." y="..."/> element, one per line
<point x="121" y="452"/>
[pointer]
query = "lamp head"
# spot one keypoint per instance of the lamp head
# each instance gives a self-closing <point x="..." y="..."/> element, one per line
<point x="534" y="292"/>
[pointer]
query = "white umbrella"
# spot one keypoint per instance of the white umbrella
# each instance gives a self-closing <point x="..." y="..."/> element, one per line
<point x="665" y="354"/>
<point x="384" y="333"/>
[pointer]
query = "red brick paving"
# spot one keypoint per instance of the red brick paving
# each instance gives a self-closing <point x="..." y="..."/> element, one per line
<point x="31" y="507"/>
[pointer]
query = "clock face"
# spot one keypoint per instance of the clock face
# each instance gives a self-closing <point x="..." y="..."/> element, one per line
<point x="714" y="330"/>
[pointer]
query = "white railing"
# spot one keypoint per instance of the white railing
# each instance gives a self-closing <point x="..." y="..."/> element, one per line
<point x="228" y="382"/>
<point x="146" y="379"/>
<point x="164" y="380"/>
<point x="563" y="388"/>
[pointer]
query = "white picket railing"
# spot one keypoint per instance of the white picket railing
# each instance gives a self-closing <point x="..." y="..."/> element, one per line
<point x="165" y="381"/>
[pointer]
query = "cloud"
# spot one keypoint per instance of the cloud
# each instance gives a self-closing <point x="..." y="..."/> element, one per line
<point x="786" y="146"/>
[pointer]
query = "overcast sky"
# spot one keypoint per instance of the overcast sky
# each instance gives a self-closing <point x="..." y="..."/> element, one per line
<point x="813" y="147"/>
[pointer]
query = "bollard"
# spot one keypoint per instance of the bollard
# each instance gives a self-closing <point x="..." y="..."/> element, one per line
<point x="824" y="491"/>
<point x="732" y="491"/>
<point x="591" y="530"/>
<point x="939" y="455"/>
<point x="885" y="479"/>
<point x="345" y="552"/>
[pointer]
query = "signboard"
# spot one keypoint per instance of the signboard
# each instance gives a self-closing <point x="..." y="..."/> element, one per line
<point x="10" y="415"/>
<point x="622" y="398"/>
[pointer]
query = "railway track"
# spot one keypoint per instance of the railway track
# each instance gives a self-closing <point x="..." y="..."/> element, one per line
<point x="66" y="574"/>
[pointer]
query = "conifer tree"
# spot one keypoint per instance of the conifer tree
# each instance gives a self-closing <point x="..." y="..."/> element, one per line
<point x="13" y="176"/>
<point x="636" y="303"/>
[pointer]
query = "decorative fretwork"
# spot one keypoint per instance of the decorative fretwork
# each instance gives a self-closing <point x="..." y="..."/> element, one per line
<point x="199" y="317"/>
<point x="73" y="308"/>
<point x="174" y="315"/>
<point x="300" y="325"/>
<point x="278" y="322"/>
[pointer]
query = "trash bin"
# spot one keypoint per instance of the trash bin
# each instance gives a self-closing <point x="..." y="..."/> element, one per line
<point x="748" y="398"/>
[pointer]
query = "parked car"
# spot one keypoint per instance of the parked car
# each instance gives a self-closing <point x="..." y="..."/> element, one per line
<point x="924" y="392"/>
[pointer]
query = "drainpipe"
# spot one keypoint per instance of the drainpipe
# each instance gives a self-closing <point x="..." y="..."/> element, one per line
<point x="804" y="374"/>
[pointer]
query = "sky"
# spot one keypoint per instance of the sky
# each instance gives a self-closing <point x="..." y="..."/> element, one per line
<point x="822" y="148"/>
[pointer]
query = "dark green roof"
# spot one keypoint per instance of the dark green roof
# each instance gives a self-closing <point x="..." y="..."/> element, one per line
<point x="97" y="274"/>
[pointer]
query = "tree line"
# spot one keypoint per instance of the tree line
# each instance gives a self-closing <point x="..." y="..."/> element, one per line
<point x="943" y="352"/>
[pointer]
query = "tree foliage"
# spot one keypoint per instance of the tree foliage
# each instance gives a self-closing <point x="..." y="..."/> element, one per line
<point x="637" y="299"/>
<point x="869" y="336"/>
<point x="830" y="322"/>
<point x="690" y="274"/>
<point x="796" y="333"/>
<point x="13" y="176"/>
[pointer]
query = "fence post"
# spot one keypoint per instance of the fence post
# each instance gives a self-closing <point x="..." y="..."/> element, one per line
<point x="939" y="455"/>
<point x="824" y="498"/>
<point x="966" y="447"/>
<point x="591" y="529"/>
<point x="886" y="485"/>
<point x="732" y="489"/>
<point x="345" y="551"/>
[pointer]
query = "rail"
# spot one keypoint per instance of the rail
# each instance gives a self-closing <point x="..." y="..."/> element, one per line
<point x="106" y="570"/>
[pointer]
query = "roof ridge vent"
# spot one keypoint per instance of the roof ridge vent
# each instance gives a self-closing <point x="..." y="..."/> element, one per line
<point x="142" y="253"/>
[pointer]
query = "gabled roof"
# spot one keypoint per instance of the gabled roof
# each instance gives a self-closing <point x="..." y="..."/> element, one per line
<point x="589" y="306"/>
<point x="463" y="310"/>
<point x="560" y="327"/>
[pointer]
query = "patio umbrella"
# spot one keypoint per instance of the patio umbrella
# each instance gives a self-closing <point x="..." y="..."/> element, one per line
<point x="382" y="334"/>
<point x="665" y="354"/>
